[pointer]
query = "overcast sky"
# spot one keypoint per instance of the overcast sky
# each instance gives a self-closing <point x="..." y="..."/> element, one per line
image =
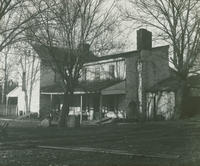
<point x="129" y="29"/>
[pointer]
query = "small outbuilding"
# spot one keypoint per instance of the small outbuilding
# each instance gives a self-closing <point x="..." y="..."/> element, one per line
<point x="161" y="99"/>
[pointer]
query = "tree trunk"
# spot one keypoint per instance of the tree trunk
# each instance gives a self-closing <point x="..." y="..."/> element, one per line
<point x="5" y="83"/>
<point x="27" y="111"/>
<point x="65" y="109"/>
<point x="181" y="97"/>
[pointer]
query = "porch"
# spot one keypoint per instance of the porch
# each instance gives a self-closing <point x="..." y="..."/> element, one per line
<point x="91" y="100"/>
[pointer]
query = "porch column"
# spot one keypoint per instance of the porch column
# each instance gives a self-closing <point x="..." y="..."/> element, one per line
<point x="81" y="108"/>
<point x="100" y="105"/>
<point x="116" y="105"/>
<point x="51" y="99"/>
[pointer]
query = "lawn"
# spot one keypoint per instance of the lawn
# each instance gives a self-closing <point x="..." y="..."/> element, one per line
<point x="141" y="144"/>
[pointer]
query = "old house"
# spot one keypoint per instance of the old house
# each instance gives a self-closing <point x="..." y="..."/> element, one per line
<point x="113" y="85"/>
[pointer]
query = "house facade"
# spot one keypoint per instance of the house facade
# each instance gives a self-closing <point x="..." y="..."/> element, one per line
<point x="110" y="86"/>
<point x="113" y="85"/>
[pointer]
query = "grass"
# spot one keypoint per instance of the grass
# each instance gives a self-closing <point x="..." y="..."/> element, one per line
<point x="152" y="138"/>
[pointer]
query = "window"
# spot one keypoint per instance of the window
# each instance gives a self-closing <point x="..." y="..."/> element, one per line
<point x="84" y="74"/>
<point x="97" y="73"/>
<point x="111" y="71"/>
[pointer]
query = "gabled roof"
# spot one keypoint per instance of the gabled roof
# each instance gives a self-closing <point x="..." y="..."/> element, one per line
<point x="43" y="51"/>
<point x="58" y="52"/>
<point x="125" y="54"/>
<point x="14" y="93"/>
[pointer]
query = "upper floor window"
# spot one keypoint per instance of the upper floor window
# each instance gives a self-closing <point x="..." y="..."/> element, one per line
<point x="84" y="74"/>
<point x="97" y="73"/>
<point x="111" y="71"/>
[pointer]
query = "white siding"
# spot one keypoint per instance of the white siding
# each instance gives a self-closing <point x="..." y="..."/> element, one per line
<point x="119" y="70"/>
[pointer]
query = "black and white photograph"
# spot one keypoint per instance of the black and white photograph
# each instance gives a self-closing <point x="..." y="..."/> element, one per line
<point x="99" y="82"/>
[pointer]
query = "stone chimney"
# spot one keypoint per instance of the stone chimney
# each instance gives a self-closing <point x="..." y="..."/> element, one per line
<point x="144" y="39"/>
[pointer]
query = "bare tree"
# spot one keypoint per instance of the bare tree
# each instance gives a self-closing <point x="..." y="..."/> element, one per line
<point x="6" y="67"/>
<point x="14" y="17"/>
<point x="178" y="23"/>
<point x="67" y="30"/>
<point x="28" y="71"/>
<point x="13" y="22"/>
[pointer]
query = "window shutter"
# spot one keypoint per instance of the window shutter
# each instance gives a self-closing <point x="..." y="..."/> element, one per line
<point x="24" y="81"/>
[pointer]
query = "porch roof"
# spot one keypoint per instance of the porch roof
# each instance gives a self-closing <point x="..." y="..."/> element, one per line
<point x="14" y="93"/>
<point x="83" y="87"/>
<point x="118" y="88"/>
